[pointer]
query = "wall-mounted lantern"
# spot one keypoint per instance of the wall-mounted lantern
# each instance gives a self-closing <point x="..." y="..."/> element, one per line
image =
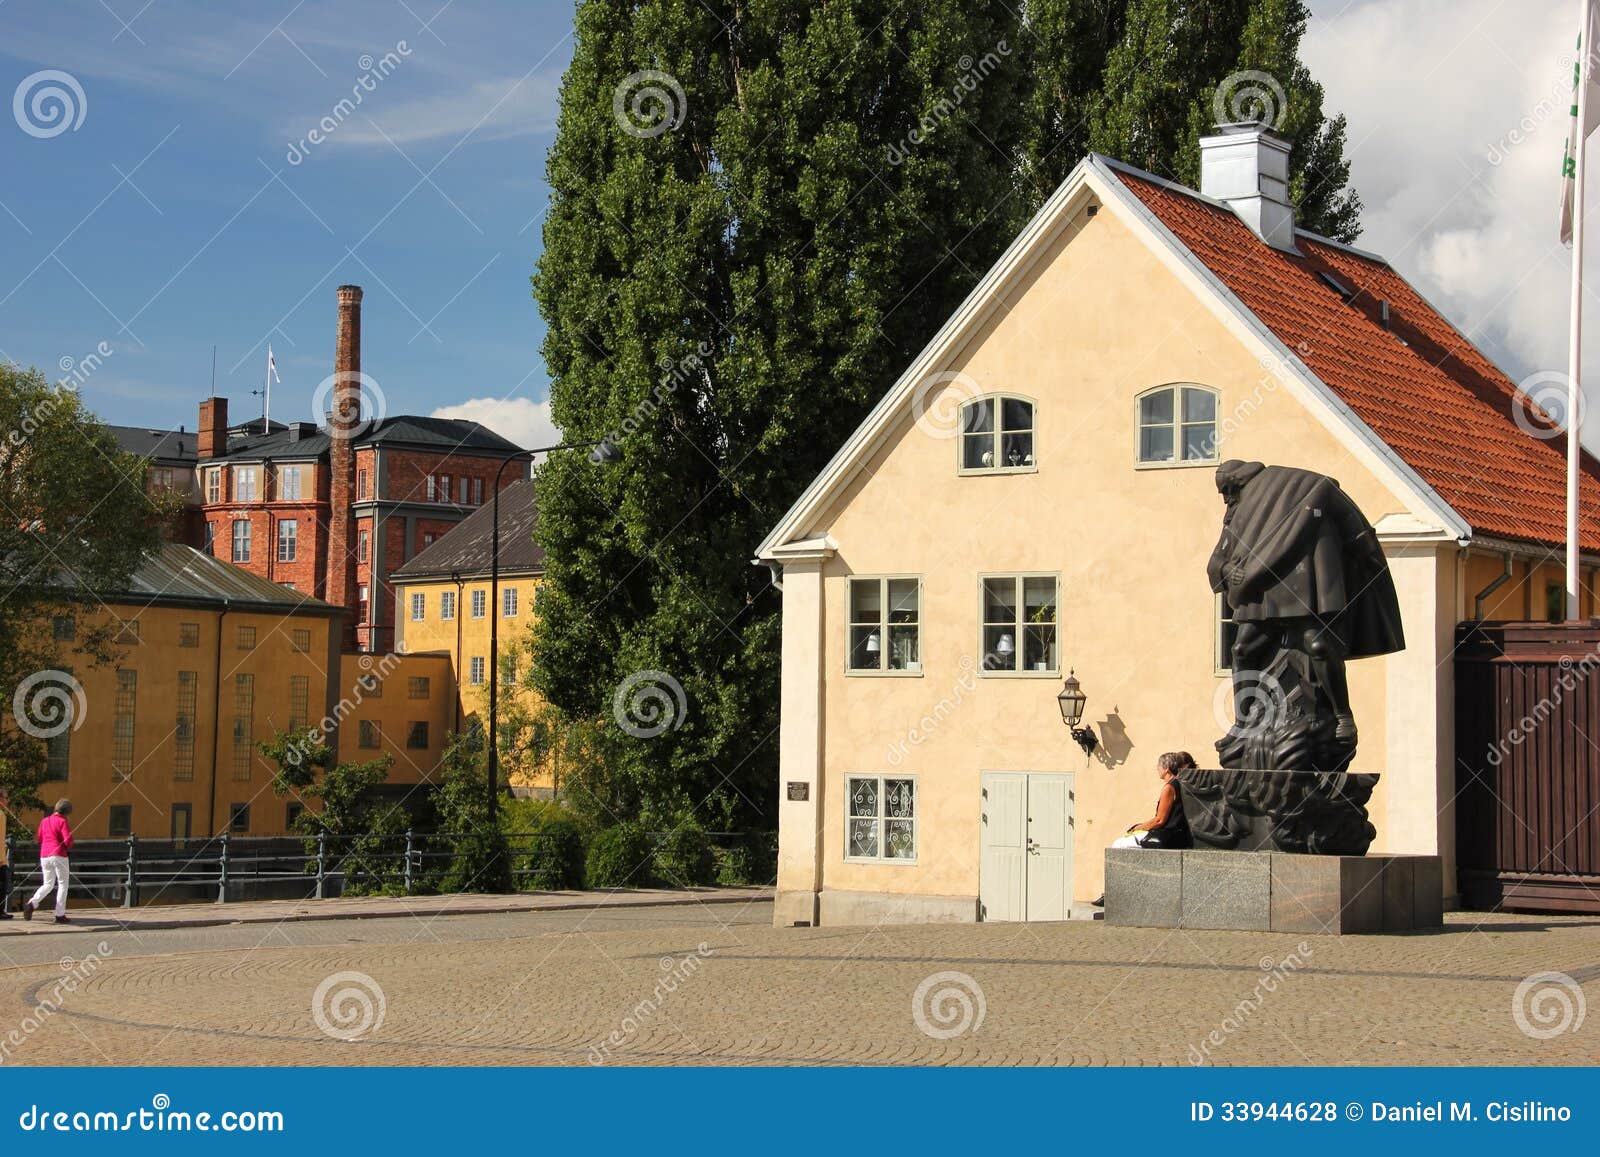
<point x="1072" y="701"/>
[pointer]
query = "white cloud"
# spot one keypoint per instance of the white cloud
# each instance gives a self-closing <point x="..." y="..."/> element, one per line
<point x="1458" y="113"/>
<point x="523" y="421"/>
<point x="488" y="109"/>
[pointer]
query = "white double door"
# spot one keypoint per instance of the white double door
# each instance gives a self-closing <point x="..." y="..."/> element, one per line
<point x="1025" y="866"/>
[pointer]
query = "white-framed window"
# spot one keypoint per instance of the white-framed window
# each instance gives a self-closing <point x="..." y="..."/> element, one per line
<point x="363" y="545"/>
<point x="447" y="605"/>
<point x="477" y="492"/>
<point x="288" y="539"/>
<point x="241" y="540"/>
<point x="289" y="483"/>
<point x="1177" y="425"/>
<point x="885" y="625"/>
<point x="881" y="818"/>
<point x="433" y="489"/>
<point x="508" y="602"/>
<point x="997" y="434"/>
<point x="444" y="488"/>
<point x="361" y="484"/>
<point x="475" y="670"/>
<point x="427" y="541"/>
<point x="214" y="484"/>
<point x="1227" y="632"/>
<point x="463" y="485"/>
<point x="244" y="483"/>
<point x="480" y="603"/>
<point x="1019" y="624"/>
<point x="419" y="607"/>
<point x="361" y="603"/>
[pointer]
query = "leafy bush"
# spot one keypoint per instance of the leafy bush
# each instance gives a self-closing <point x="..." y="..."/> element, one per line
<point x="684" y="858"/>
<point x="555" y="859"/>
<point x="750" y="861"/>
<point x="619" y="857"/>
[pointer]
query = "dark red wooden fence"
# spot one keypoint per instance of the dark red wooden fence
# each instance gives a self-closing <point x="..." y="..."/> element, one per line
<point x="1528" y="766"/>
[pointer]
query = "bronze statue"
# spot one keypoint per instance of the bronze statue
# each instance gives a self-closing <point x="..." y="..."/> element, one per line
<point x="1309" y="588"/>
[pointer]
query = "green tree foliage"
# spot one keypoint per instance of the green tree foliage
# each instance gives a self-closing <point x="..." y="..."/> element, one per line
<point x="760" y="212"/>
<point x="75" y="521"/>
<point x="481" y="861"/>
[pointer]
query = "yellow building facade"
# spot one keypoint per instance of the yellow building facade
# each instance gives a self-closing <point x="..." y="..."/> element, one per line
<point x="446" y="611"/>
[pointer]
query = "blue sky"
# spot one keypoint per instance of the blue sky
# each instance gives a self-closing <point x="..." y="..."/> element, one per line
<point x="171" y="219"/>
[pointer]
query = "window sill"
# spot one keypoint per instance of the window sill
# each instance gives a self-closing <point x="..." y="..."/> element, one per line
<point x="1028" y="674"/>
<point x="980" y="471"/>
<point x="1185" y="464"/>
<point x="880" y="862"/>
<point x="863" y="674"/>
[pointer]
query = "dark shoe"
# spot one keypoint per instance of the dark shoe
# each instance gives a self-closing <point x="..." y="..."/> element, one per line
<point x="1100" y="903"/>
<point x="27" y="910"/>
<point x="62" y="920"/>
<point x="5" y="915"/>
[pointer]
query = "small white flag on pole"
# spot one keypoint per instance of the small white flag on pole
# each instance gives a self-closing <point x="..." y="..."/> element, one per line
<point x="266" y="396"/>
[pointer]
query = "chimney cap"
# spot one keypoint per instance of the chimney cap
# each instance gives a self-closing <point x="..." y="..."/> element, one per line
<point x="351" y="292"/>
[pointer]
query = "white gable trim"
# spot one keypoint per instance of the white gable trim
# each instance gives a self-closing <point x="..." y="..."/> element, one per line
<point x="1094" y="177"/>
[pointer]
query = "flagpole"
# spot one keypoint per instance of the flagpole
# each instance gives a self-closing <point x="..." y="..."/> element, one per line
<point x="266" y="398"/>
<point x="1575" y="335"/>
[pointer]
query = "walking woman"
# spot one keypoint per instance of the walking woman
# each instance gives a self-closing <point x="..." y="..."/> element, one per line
<point x="55" y="844"/>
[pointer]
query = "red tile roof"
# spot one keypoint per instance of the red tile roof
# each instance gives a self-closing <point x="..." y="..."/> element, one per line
<point x="1420" y="385"/>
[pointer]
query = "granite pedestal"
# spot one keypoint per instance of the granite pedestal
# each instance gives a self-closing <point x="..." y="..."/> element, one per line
<point x="1273" y="891"/>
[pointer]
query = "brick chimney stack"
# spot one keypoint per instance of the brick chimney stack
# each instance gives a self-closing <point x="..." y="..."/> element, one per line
<point x="340" y="582"/>
<point x="213" y="428"/>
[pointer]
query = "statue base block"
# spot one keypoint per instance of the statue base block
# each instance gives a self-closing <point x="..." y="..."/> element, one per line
<point x="1273" y="891"/>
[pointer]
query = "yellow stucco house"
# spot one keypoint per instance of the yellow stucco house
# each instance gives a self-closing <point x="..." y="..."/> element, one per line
<point x="1035" y="497"/>
<point x="445" y="609"/>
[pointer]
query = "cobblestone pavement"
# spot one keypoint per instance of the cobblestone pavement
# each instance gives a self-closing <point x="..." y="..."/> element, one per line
<point x="718" y="984"/>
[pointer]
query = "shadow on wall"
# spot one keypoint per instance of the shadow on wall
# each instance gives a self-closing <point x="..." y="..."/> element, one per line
<point x="1115" y="746"/>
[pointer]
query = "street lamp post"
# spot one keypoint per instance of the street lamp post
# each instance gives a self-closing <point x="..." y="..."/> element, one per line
<point x="601" y="451"/>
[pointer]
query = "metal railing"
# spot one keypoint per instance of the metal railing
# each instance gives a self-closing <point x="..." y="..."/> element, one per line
<point x="132" y="871"/>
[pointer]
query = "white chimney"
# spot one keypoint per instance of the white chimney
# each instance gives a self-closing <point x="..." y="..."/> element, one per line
<point x="1246" y="166"/>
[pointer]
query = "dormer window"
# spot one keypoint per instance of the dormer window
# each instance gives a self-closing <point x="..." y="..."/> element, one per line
<point x="1177" y="426"/>
<point x="997" y="435"/>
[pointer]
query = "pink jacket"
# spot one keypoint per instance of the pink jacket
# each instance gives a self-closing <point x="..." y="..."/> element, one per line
<point x="55" y="837"/>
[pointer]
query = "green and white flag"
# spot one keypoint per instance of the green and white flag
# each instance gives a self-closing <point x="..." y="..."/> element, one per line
<point x="1585" y="94"/>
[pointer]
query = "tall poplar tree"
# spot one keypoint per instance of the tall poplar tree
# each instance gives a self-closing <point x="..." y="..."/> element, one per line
<point x="760" y="211"/>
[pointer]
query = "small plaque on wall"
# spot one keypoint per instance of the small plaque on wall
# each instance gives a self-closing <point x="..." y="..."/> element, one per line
<point x="799" y="790"/>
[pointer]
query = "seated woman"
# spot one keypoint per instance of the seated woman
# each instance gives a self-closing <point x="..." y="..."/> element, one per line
<point x="1167" y="828"/>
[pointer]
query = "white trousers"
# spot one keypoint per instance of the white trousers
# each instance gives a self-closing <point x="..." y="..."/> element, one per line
<point x="1131" y="840"/>
<point x="55" y="876"/>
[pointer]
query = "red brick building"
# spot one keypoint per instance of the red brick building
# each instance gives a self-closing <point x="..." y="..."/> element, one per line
<point x="333" y="510"/>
